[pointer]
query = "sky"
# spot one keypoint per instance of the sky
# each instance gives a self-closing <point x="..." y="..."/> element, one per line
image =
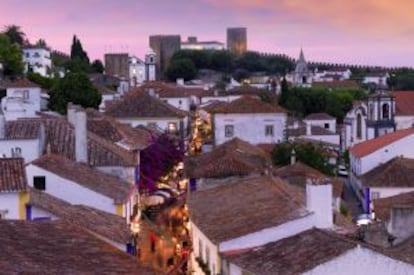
<point x="367" y="32"/>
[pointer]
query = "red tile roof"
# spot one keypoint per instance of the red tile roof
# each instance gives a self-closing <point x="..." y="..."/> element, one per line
<point x="383" y="206"/>
<point x="232" y="158"/>
<point x="138" y="103"/>
<point x="404" y="102"/>
<point x="243" y="206"/>
<point x="336" y="84"/>
<point x="249" y="105"/>
<point x="23" y="83"/>
<point x="171" y="90"/>
<point x="365" y="148"/>
<point x="12" y="175"/>
<point x="22" y="129"/>
<point x="57" y="247"/>
<point x="86" y="176"/>
<point x="293" y="255"/>
<point x="319" y="116"/>
<point x="110" y="226"/>
<point x="398" y="172"/>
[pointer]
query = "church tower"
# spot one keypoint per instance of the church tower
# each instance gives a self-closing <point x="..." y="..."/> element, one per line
<point x="150" y="65"/>
<point x="381" y="112"/>
<point x="302" y="77"/>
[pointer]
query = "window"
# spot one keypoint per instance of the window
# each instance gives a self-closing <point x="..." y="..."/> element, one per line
<point x="269" y="130"/>
<point x="304" y="80"/>
<point x="228" y="130"/>
<point x="172" y="127"/>
<point x="385" y="111"/>
<point x="359" y="126"/>
<point x="27" y="55"/>
<point x="326" y="125"/>
<point x="375" y="195"/>
<point x="3" y="214"/>
<point x="39" y="182"/>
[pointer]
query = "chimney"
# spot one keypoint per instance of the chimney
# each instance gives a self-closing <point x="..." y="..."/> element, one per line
<point x="76" y="116"/>
<point x="2" y="125"/>
<point x="401" y="224"/>
<point x="308" y="129"/>
<point x="319" y="201"/>
<point x="293" y="157"/>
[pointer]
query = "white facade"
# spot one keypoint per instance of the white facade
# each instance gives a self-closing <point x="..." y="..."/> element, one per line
<point x="208" y="45"/>
<point x="379" y="79"/>
<point x="384" y="192"/>
<point x="253" y="128"/>
<point x="29" y="149"/>
<point x="404" y="122"/>
<point x="70" y="191"/>
<point x="9" y="206"/>
<point x="165" y="124"/>
<point x="38" y="59"/>
<point x="136" y="71"/>
<point x="182" y="103"/>
<point x="21" y="102"/>
<point x="328" y="124"/>
<point x="355" y="126"/>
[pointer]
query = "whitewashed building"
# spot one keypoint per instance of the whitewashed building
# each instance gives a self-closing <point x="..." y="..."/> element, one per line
<point x="376" y="78"/>
<point x="38" y="60"/>
<point x="367" y="156"/>
<point x="193" y="44"/>
<point x="141" y="71"/>
<point x="249" y="119"/>
<point x="216" y="230"/>
<point x="23" y="100"/>
<point x="13" y="189"/>
<point x="404" y="113"/>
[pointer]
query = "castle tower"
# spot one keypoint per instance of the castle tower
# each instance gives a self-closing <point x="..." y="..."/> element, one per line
<point x="237" y="40"/>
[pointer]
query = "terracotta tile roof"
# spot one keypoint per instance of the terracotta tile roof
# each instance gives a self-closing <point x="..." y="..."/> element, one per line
<point x="232" y="158"/>
<point x="60" y="135"/>
<point x="22" y="129"/>
<point x="86" y="176"/>
<point x="110" y="226"/>
<point x="365" y="148"/>
<point x="170" y="90"/>
<point x="398" y="172"/>
<point x="138" y="103"/>
<point x="383" y="206"/>
<point x="114" y="131"/>
<point x="244" y="90"/>
<point x="103" y="90"/>
<point x="60" y="248"/>
<point x="298" y="169"/>
<point x="213" y="105"/>
<point x="243" y="206"/>
<point x="336" y="84"/>
<point x="249" y="105"/>
<point x="294" y="255"/>
<point x="319" y="116"/>
<point x="404" y="103"/>
<point x="403" y="252"/>
<point x="23" y="83"/>
<point x="12" y="175"/>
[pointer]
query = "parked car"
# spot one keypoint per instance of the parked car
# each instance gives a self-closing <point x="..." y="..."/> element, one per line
<point x="363" y="219"/>
<point x="342" y="171"/>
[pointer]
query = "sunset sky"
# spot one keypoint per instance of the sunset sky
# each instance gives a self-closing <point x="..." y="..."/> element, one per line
<point x="374" y="32"/>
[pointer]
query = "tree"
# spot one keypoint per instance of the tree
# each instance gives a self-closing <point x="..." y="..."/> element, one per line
<point x="284" y="91"/>
<point x="10" y="57"/>
<point x="221" y="61"/>
<point x="97" y="66"/>
<point x="77" y="52"/>
<point x="76" y="88"/>
<point x="181" y="68"/>
<point x="15" y="34"/>
<point x="41" y="43"/>
<point x="251" y="61"/>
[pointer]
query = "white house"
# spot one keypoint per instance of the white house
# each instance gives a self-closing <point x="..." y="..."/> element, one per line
<point x="368" y="156"/>
<point x="239" y="215"/>
<point x="140" y="108"/>
<point x="315" y="251"/>
<point x="23" y="99"/>
<point x="141" y="71"/>
<point x="37" y="59"/>
<point x="13" y="189"/>
<point x="249" y="119"/>
<point x="77" y="183"/>
<point x="340" y="74"/>
<point x="376" y="78"/>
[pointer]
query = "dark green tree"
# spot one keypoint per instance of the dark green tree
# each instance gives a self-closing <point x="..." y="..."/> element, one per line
<point x="75" y="88"/>
<point x="77" y="52"/>
<point x="251" y="61"/>
<point x="10" y="57"/>
<point x="284" y="91"/>
<point x="45" y="82"/>
<point x="181" y="68"/>
<point x="97" y="66"/>
<point x="41" y="43"/>
<point x="221" y="61"/>
<point x="15" y="34"/>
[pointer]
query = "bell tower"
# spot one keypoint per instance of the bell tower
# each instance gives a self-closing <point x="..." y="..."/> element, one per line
<point x="150" y="58"/>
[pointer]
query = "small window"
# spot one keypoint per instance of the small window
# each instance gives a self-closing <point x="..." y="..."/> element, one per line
<point x="326" y="125"/>
<point x="39" y="182"/>
<point x="228" y="130"/>
<point x="269" y="130"/>
<point x="3" y="214"/>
